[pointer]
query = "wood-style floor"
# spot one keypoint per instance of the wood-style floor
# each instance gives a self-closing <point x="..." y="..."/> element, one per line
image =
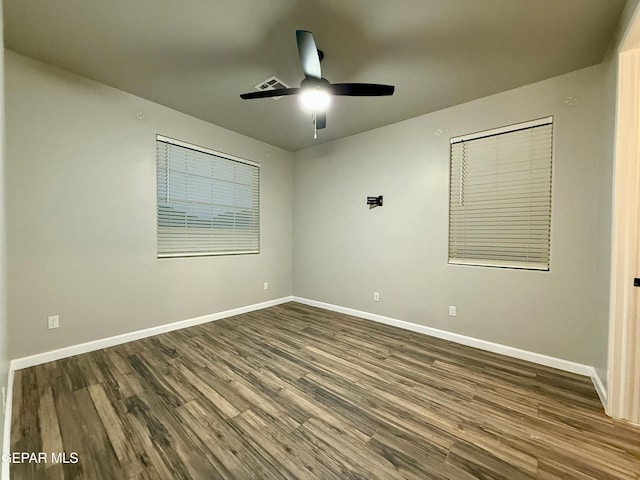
<point x="301" y="393"/>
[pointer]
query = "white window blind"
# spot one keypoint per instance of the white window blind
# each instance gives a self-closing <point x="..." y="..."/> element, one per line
<point x="208" y="202"/>
<point x="500" y="197"/>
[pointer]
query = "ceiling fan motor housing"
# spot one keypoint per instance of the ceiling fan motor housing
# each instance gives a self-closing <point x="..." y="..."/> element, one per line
<point x="311" y="82"/>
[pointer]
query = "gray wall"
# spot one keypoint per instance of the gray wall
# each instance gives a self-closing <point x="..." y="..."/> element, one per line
<point x="343" y="251"/>
<point x="81" y="214"/>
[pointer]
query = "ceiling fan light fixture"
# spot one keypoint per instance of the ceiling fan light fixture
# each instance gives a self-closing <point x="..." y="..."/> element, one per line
<point x="315" y="98"/>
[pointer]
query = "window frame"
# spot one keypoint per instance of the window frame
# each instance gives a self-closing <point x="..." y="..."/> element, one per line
<point x="255" y="197"/>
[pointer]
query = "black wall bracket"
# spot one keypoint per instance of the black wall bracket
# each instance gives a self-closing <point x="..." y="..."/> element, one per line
<point x="374" y="201"/>
<point x="636" y="282"/>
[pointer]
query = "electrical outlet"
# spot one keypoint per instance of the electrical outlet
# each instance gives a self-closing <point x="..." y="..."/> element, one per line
<point x="376" y="297"/>
<point x="53" y="322"/>
<point x="266" y="285"/>
<point x="452" y="311"/>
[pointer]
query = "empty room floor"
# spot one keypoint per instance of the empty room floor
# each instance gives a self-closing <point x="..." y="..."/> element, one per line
<point x="298" y="392"/>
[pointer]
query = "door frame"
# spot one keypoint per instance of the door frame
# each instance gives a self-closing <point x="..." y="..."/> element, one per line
<point x="623" y="371"/>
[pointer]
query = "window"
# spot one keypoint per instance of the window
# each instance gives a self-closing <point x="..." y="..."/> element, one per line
<point x="208" y="202"/>
<point x="500" y="197"/>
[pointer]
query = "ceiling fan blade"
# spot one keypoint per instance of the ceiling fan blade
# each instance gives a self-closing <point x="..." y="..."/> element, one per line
<point x="321" y="120"/>
<point x="362" y="89"/>
<point x="278" y="92"/>
<point x="308" y="54"/>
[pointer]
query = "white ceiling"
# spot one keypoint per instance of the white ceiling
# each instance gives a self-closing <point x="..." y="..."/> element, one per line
<point x="197" y="56"/>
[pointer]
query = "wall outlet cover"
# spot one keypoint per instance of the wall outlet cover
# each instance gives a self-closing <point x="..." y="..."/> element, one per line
<point x="53" y="322"/>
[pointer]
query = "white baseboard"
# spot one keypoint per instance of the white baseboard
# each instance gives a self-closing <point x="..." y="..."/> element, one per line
<point x="600" y="389"/>
<point x="6" y="433"/>
<point x="40" y="358"/>
<point x="538" y="358"/>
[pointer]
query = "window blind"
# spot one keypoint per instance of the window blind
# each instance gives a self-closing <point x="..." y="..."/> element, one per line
<point x="208" y="202"/>
<point x="500" y="197"/>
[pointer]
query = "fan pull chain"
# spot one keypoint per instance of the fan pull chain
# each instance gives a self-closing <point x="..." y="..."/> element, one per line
<point x="315" y="127"/>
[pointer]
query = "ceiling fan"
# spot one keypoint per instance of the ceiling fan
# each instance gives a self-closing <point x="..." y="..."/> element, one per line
<point x="315" y="92"/>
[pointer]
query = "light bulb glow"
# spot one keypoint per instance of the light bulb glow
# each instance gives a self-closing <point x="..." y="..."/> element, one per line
<point x="316" y="99"/>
